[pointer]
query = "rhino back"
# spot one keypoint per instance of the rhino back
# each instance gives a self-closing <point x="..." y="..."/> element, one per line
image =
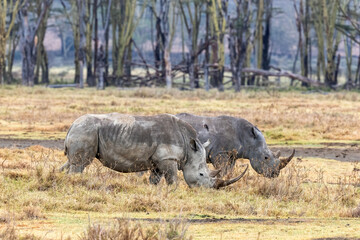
<point x="127" y="143"/>
<point x="225" y="133"/>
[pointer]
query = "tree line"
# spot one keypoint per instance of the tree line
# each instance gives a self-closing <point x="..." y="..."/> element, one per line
<point x="216" y="37"/>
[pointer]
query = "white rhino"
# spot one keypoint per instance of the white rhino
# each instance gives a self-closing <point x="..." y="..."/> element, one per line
<point x="125" y="143"/>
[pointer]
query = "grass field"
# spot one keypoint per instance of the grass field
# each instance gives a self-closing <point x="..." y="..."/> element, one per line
<point x="313" y="198"/>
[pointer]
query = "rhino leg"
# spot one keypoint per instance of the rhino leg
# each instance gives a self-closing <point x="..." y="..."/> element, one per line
<point x="155" y="176"/>
<point x="78" y="162"/>
<point x="66" y="167"/>
<point x="168" y="168"/>
<point x="80" y="154"/>
<point x="224" y="162"/>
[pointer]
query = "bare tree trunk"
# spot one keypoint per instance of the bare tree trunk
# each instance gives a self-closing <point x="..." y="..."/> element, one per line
<point x="192" y="24"/>
<point x="29" y="43"/>
<point x="157" y="49"/>
<point x="239" y="40"/>
<point x="164" y="15"/>
<point x="82" y="38"/>
<point x="44" y="67"/>
<point x="100" y="67"/>
<point x="96" y="39"/>
<point x="7" y="22"/>
<point x="357" y="74"/>
<point x="88" y="21"/>
<point x="106" y="40"/>
<point x="11" y="55"/>
<point x="128" y="55"/>
<point x="81" y="73"/>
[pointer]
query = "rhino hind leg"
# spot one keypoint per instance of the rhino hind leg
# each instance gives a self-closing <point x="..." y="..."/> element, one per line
<point x="80" y="155"/>
<point x="79" y="162"/>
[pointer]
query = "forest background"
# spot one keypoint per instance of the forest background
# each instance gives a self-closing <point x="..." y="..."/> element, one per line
<point x="224" y="44"/>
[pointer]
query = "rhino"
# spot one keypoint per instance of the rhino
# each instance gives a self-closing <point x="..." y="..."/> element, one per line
<point x="232" y="138"/>
<point x="126" y="143"/>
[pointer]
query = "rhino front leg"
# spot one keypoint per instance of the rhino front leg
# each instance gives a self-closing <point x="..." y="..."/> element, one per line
<point x="155" y="176"/>
<point x="66" y="167"/>
<point x="168" y="168"/>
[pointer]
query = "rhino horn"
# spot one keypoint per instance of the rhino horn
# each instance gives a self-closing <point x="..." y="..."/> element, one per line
<point x="284" y="161"/>
<point x="223" y="183"/>
<point x="206" y="144"/>
<point x="277" y="154"/>
<point x="214" y="173"/>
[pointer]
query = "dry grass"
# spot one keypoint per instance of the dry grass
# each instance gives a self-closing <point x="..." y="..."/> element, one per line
<point x="124" y="229"/>
<point x="301" y="190"/>
<point x="47" y="113"/>
<point x="33" y="192"/>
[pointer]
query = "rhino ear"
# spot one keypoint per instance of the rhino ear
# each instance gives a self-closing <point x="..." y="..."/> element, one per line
<point x="193" y="144"/>
<point x="254" y="132"/>
<point x="206" y="144"/>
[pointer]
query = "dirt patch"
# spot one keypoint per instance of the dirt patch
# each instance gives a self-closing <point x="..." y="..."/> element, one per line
<point x="345" y="153"/>
<point x="24" y="143"/>
<point x="232" y="220"/>
<point x="341" y="152"/>
<point x="336" y="238"/>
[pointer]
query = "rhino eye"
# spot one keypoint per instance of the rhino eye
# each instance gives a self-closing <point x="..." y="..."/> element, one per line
<point x="266" y="158"/>
<point x="201" y="174"/>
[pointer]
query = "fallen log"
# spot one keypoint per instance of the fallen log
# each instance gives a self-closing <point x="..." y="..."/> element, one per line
<point x="282" y="73"/>
<point x="62" y="85"/>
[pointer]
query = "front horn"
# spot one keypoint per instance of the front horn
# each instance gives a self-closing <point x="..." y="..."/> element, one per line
<point x="223" y="183"/>
<point x="284" y="161"/>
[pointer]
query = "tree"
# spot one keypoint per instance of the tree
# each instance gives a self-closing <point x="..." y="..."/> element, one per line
<point x="105" y="19"/>
<point x="41" y="59"/>
<point x="165" y="30"/>
<point x="351" y="31"/>
<point x="324" y="15"/>
<point x="191" y="13"/>
<point x="217" y="11"/>
<point x="123" y="22"/>
<point x="88" y="17"/>
<point x="7" y="10"/>
<point x="239" y="39"/>
<point x="303" y="27"/>
<point x="28" y="40"/>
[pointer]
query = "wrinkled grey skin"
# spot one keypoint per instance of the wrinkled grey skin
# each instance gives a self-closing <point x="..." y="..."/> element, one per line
<point x="126" y="143"/>
<point x="232" y="138"/>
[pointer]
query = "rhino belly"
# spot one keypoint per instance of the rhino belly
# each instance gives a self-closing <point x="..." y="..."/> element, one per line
<point x="124" y="164"/>
<point x="124" y="154"/>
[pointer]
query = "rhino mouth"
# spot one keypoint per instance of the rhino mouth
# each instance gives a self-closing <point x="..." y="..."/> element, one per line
<point x="219" y="183"/>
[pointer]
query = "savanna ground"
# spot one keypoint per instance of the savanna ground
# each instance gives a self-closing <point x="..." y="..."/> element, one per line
<point x="317" y="196"/>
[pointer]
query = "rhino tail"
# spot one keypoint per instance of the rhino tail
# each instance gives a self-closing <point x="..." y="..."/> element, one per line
<point x="97" y="155"/>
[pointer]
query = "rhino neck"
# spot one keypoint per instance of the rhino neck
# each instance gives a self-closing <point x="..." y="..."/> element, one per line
<point x="245" y="152"/>
<point x="182" y="162"/>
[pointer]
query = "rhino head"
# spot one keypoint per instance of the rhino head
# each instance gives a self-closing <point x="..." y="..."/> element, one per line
<point x="196" y="171"/>
<point x="262" y="159"/>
